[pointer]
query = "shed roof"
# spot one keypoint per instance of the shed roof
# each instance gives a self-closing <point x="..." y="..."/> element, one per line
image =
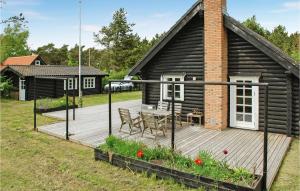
<point x="2" y="67"/>
<point x="252" y="37"/>
<point x="20" y="60"/>
<point x="54" y="70"/>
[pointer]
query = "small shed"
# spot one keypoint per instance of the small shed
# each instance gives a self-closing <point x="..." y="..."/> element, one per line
<point x="22" y="78"/>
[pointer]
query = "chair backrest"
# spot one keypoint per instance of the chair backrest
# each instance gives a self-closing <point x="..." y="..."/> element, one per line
<point x="162" y="105"/>
<point x="149" y="120"/>
<point x="177" y="107"/>
<point x="125" y="116"/>
<point x="168" y="106"/>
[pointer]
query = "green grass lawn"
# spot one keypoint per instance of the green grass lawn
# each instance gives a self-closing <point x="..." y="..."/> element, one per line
<point x="35" y="161"/>
<point x="116" y="97"/>
<point x="288" y="177"/>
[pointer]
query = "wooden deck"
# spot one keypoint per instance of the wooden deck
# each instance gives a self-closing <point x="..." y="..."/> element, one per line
<point x="245" y="148"/>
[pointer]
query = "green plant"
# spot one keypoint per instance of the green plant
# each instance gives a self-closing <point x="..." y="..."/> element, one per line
<point x="204" y="165"/>
<point x="114" y="75"/>
<point x="5" y="86"/>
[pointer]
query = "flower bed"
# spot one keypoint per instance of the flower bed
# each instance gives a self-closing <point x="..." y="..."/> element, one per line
<point x="204" y="171"/>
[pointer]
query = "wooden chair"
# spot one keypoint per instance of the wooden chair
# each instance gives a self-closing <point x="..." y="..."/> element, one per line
<point x="168" y="107"/>
<point x="132" y="122"/>
<point x="154" y="124"/>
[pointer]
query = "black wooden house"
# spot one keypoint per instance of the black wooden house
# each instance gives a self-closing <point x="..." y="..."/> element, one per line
<point x="22" y="77"/>
<point x="207" y="44"/>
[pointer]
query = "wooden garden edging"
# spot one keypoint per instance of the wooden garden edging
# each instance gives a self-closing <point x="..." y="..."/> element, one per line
<point x="60" y="108"/>
<point x="187" y="179"/>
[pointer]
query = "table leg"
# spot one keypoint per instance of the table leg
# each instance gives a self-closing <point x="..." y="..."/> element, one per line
<point x="200" y="121"/>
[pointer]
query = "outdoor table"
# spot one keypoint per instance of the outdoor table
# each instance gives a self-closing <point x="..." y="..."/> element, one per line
<point x="157" y="113"/>
<point x="190" y="116"/>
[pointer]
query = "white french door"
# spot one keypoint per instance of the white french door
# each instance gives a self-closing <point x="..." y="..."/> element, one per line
<point x="244" y="103"/>
<point x="22" y="89"/>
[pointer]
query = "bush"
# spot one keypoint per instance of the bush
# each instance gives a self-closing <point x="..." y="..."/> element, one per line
<point x="114" y="75"/>
<point x="49" y="103"/>
<point x="5" y="86"/>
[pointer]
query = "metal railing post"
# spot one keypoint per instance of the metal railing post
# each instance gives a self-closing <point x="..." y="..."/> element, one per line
<point x="34" y="103"/>
<point x="173" y="118"/>
<point x="265" y="157"/>
<point x="67" y="109"/>
<point x="109" y="107"/>
<point x="73" y="99"/>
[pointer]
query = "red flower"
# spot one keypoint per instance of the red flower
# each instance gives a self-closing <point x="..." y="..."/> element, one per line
<point x="198" y="161"/>
<point x="140" y="154"/>
<point x="225" y="151"/>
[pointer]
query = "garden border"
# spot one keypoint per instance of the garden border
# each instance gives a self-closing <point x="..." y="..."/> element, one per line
<point x="189" y="180"/>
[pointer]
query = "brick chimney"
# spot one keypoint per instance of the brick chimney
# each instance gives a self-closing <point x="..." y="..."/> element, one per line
<point x="215" y="67"/>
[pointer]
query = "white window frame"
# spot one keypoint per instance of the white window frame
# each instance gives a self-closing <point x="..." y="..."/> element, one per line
<point x="37" y="62"/>
<point x="89" y="82"/>
<point x="164" y="87"/>
<point x="70" y="84"/>
<point x="254" y="125"/>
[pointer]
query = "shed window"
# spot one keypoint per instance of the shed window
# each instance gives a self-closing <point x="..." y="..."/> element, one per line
<point x="37" y="62"/>
<point x="71" y="84"/>
<point x="89" y="82"/>
<point x="178" y="88"/>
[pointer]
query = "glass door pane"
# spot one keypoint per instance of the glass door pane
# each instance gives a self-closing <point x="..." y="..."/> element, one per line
<point x="244" y="102"/>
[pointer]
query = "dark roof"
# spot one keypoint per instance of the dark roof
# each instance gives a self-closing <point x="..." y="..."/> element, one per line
<point x="54" y="70"/>
<point x="252" y="37"/>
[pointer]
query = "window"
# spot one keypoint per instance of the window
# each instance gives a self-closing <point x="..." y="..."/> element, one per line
<point x="178" y="88"/>
<point x="71" y="84"/>
<point x="37" y="62"/>
<point x="89" y="82"/>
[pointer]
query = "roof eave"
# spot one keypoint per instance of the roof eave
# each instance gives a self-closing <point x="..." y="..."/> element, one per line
<point x="262" y="44"/>
<point x="8" y="68"/>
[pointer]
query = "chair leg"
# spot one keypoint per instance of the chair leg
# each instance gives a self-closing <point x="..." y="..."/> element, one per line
<point x="121" y="127"/>
<point x="155" y="136"/>
<point x="130" y="129"/>
<point x="163" y="130"/>
<point x="180" y="121"/>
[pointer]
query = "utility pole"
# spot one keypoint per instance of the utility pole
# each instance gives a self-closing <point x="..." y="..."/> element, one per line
<point x="89" y="56"/>
<point x="79" y="85"/>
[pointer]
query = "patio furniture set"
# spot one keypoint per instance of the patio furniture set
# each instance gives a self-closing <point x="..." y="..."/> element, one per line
<point x="155" y="119"/>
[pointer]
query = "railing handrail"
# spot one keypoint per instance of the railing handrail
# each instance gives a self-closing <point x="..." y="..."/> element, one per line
<point x="192" y="82"/>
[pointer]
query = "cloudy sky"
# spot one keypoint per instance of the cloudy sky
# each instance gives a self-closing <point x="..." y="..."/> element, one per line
<point x="56" y="21"/>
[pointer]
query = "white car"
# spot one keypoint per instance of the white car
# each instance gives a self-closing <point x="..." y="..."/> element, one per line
<point x="127" y="86"/>
<point x="115" y="86"/>
<point x="120" y="86"/>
